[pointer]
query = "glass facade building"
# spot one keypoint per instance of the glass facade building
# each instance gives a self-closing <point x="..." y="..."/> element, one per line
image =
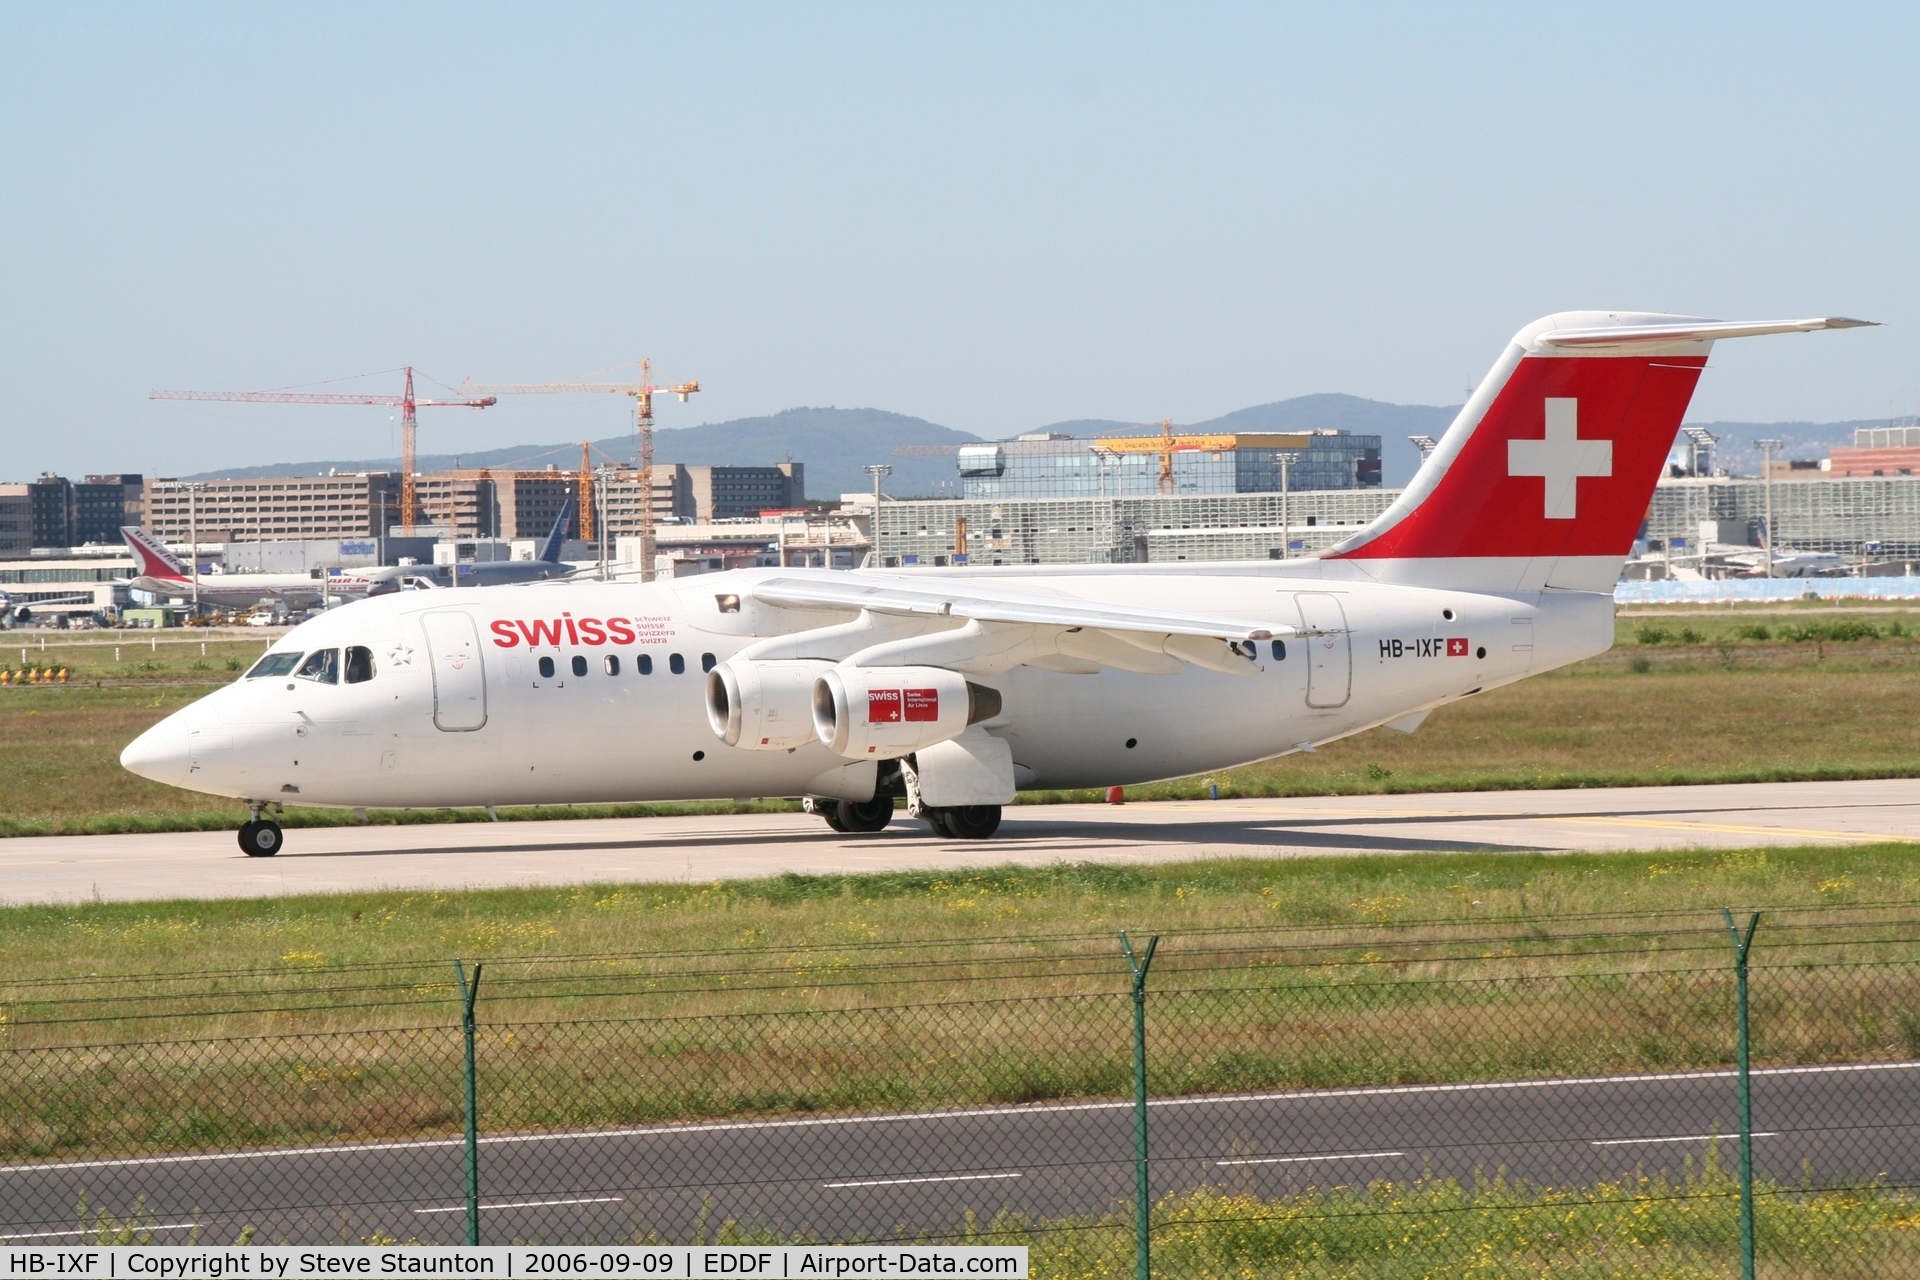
<point x="1134" y="466"/>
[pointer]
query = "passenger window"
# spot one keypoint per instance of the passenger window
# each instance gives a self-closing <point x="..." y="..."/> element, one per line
<point x="706" y="662"/>
<point x="646" y="664"/>
<point x="359" y="664"/>
<point x="274" y="664"/>
<point x="546" y="668"/>
<point x="322" y="665"/>
<point x="676" y="664"/>
<point x="613" y="664"/>
<point x="1279" y="650"/>
<point x="579" y="664"/>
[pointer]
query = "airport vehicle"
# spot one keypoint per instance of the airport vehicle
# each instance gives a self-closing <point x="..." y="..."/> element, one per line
<point x="952" y="688"/>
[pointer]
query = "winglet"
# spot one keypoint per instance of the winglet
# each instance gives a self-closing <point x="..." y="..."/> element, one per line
<point x="555" y="540"/>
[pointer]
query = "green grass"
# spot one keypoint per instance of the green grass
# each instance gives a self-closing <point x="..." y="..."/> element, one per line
<point x="169" y="1026"/>
<point x="1636" y="1229"/>
<point x="1706" y="700"/>
<point x="1643" y="1228"/>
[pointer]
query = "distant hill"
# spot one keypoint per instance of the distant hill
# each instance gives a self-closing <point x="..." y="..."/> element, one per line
<point x="835" y="444"/>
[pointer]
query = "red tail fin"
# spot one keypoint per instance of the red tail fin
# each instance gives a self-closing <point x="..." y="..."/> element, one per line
<point x="154" y="559"/>
<point x="1543" y="479"/>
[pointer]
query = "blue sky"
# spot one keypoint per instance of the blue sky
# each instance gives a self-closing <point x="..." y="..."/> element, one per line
<point x="990" y="216"/>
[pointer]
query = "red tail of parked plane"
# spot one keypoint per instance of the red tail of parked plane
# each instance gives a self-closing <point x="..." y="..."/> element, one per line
<point x="154" y="559"/>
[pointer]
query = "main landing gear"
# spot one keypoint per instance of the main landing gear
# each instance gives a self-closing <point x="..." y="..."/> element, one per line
<point x="958" y="822"/>
<point x="850" y="816"/>
<point x="965" y="821"/>
<point x="260" y="837"/>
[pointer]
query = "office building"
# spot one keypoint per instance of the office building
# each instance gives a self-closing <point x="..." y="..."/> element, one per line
<point x="1248" y="526"/>
<point x="273" y="507"/>
<point x="1050" y="465"/>
<point x="741" y="493"/>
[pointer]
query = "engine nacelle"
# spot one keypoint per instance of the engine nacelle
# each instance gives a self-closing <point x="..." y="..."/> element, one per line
<point x="763" y="706"/>
<point x="881" y="712"/>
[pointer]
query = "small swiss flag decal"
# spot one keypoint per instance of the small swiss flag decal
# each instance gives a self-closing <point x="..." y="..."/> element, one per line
<point x="1456" y="647"/>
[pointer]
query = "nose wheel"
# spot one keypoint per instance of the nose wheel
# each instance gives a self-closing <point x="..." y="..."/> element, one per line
<point x="260" y="838"/>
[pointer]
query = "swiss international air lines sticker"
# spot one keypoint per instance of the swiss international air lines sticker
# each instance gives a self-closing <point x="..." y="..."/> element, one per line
<point x="1456" y="648"/>
<point x="891" y="706"/>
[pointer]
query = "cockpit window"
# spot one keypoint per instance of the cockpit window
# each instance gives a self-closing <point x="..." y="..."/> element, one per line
<point x="359" y="664"/>
<point x="322" y="665"/>
<point x="274" y="664"/>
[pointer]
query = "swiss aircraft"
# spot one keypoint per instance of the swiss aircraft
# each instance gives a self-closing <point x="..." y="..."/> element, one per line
<point x="954" y="688"/>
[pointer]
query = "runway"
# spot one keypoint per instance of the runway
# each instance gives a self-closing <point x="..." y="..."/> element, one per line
<point x="898" y="1175"/>
<point x="52" y="869"/>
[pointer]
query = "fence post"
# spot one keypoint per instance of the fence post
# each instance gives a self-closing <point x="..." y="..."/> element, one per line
<point x="1741" y="945"/>
<point x="1142" y="1204"/>
<point x="469" y="991"/>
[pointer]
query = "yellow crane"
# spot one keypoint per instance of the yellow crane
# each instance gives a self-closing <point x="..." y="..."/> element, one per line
<point x="642" y="393"/>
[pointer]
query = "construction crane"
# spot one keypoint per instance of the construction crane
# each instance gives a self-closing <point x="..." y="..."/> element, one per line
<point x="405" y="402"/>
<point x="643" y="393"/>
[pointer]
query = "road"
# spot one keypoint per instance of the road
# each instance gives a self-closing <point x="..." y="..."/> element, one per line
<point x="845" y="1178"/>
<point x="471" y="855"/>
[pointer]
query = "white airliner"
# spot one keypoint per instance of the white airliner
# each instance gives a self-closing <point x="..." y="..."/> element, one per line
<point x="162" y="573"/>
<point x="953" y="688"/>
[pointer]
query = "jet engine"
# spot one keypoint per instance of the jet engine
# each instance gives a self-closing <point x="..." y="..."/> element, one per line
<point x="881" y="712"/>
<point x="763" y="706"/>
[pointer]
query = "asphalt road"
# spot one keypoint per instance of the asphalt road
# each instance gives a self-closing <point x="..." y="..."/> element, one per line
<point x="453" y="856"/>
<point x="847" y="1178"/>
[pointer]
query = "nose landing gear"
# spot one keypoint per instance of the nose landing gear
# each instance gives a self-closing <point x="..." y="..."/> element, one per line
<point x="260" y="837"/>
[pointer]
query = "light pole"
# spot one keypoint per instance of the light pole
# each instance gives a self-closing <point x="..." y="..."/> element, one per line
<point x="1286" y="514"/>
<point x="193" y="538"/>
<point x="1766" y="470"/>
<point x="877" y="470"/>
<point x="602" y="475"/>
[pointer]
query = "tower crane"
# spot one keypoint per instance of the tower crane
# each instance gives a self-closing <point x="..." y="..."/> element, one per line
<point x="405" y="402"/>
<point x="642" y="392"/>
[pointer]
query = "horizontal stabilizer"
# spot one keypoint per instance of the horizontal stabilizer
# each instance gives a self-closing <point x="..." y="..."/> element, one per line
<point x="1696" y="331"/>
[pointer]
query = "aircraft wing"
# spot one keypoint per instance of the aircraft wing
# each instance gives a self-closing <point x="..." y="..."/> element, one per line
<point x="994" y="604"/>
<point x="1006" y="628"/>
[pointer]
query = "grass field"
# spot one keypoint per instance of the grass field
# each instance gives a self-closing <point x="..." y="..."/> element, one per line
<point x="1688" y="696"/>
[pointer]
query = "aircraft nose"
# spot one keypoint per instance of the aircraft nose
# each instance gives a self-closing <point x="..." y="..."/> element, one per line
<point x="160" y="754"/>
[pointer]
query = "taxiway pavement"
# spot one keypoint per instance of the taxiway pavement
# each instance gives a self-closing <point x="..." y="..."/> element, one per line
<point x="893" y="1176"/>
<point x="472" y="855"/>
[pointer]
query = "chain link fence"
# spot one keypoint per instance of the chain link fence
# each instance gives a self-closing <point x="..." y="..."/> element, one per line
<point x="1554" y="1095"/>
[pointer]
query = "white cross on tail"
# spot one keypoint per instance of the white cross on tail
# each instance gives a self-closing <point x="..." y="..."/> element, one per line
<point x="1561" y="458"/>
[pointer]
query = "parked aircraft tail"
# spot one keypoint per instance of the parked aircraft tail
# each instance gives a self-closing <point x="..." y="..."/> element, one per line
<point x="154" y="559"/>
<point x="550" y="552"/>
<point x="1543" y="479"/>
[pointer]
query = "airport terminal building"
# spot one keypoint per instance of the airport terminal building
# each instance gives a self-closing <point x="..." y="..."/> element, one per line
<point x="1050" y="465"/>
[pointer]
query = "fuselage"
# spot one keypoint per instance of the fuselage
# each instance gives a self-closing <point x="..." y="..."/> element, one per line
<point x="243" y="589"/>
<point x="576" y="692"/>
